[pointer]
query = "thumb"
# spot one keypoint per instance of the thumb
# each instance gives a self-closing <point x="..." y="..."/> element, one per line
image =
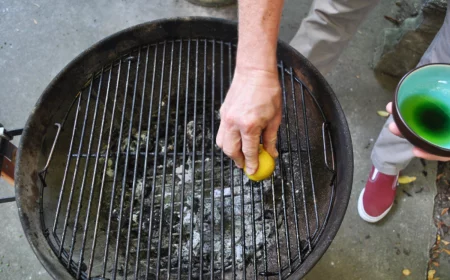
<point x="394" y="129"/>
<point x="270" y="138"/>
<point x="250" y="148"/>
<point x="389" y="107"/>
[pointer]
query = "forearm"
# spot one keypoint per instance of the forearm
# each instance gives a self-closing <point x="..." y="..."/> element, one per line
<point x="259" y="22"/>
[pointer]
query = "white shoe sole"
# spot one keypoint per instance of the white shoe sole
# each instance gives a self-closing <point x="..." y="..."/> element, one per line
<point x="366" y="217"/>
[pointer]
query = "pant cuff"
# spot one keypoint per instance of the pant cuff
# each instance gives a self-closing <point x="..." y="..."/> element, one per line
<point x="383" y="167"/>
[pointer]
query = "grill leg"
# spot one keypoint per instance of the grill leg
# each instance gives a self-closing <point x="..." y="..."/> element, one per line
<point x="7" y="199"/>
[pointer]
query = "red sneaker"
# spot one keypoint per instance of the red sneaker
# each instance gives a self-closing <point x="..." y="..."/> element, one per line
<point x="377" y="198"/>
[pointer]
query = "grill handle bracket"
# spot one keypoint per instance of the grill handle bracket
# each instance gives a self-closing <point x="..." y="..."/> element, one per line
<point x="8" y="157"/>
<point x="327" y="138"/>
<point x="43" y="172"/>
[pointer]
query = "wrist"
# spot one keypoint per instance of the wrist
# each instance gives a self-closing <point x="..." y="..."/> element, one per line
<point x="256" y="59"/>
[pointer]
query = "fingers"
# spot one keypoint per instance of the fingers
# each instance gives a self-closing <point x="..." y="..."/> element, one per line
<point x="250" y="148"/>
<point x="389" y="107"/>
<point x="270" y="138"/>
<point x="394" y="129"/>
<point x="232" y="147"/>
<point x="219" y="137"/>
<point x="422" y="154"/>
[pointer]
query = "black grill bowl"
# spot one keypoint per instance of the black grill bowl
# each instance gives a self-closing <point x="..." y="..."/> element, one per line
<point x="305" y="201"/>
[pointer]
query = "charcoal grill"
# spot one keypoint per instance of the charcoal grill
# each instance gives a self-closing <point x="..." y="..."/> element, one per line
<point x="118" y="175"/>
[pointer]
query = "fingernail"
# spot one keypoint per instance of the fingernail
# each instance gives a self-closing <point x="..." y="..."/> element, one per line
<point x="276" y="154"/>
<point x="250" y="171"/>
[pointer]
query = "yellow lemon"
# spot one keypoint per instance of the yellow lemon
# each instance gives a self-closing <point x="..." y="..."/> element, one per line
<point x="266" y="166"/>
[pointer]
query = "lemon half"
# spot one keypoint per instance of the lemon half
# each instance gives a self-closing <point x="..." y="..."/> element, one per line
<point x="265" y="168"/>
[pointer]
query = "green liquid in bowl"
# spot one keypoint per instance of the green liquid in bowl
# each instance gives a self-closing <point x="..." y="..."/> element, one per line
<point x="428" y="117"/>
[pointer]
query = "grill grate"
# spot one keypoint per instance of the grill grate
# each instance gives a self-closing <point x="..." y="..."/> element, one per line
<point x="137" y="188"/>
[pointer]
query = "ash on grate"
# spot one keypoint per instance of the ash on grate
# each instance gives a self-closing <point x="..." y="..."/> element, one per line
<point x="187" y="199"/>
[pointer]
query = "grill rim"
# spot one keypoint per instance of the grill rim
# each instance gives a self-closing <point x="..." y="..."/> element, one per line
<point x="28" y="185"/>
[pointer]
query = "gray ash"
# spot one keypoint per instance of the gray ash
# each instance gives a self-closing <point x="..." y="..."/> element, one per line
<point x="179" y="198"/>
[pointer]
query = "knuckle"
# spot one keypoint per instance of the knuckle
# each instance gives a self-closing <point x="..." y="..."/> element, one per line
<point x="232" y="153"/>
<point x="250" y="154"/>
<point x="248" y="125"/>
<point x="228" y="118"/>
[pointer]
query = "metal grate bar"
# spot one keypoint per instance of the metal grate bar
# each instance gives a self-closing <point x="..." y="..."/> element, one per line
<point x="263" y="231"/>
<point x="243" y="225"/>
<point x="252" y="205"/>
<point x="124" y="180"/>
<point x="191" y="228"/>
<point x="80" y="146"/>
<point x="292" y="181"/>
<point x="115" y="178"/>
<point x="212" y="160"/>
<point x="149" y="122"/>
<point x="291" y="163"/>
<point x="283" y="199"/>
<point x="144" y="177"/>
<point x="108" y="230"/>
<point x="174" y="160"/>
<point x="202" y="199"/>
<point x="165" y="157"/>
<point x="133" y="190"/>
<point x="152" y="213"/>
<point x="233" y="253"/>
<point x="222" y="202"/>
<point x="66" y="170"/>
<point x="276" y="228"/>
<point x="183" y="176"/>
<point x="302" y="183"/>
<point x="153" y="190"/>
<point x="91" y="194"/>
<point x="308" y="145"/>
<point x="94" y="241"/>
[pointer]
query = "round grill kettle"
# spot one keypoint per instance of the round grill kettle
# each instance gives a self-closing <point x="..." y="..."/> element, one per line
<point x="117" y="174"/>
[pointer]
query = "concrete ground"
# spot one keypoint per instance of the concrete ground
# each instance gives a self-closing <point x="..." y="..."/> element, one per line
<point x="39" y="37"/>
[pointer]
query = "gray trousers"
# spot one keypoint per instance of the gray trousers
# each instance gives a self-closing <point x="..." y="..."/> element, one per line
<point x="325" y="33"/>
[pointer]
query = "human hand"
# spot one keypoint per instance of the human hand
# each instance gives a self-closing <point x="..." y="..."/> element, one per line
<point x="252" y="107"/>
<point x="417" y="152"/>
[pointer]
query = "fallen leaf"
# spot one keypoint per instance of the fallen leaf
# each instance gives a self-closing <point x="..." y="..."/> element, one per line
<point x="431" y="274"/>
<point x="445" y="242"/>
<point x="383" y="113"/>
<point x="357" y="76"/>
<point x="35" y="21"/>
<point x="444" y="211"/>
<point x="436" y="264"/>
<point x="406" y="272"/>
<point x="406" y="179"/>
<point x="447" y="251"/>
<point x="439" y="176"/>
<point x="438" y="237"/>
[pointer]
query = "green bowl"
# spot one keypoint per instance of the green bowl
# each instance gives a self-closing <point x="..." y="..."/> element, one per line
<point x="422" y="108"/>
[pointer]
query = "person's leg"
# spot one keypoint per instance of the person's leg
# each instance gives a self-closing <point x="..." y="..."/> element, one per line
<point x="328" y="28"/>
<point x="391" y="153"/>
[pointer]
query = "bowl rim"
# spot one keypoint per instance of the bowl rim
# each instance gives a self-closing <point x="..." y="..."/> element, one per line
<point x="404" y="128"/>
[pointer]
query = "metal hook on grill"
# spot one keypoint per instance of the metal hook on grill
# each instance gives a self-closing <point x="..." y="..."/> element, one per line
<point x="50" y="156"/>
<point x="324" y="130"/>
